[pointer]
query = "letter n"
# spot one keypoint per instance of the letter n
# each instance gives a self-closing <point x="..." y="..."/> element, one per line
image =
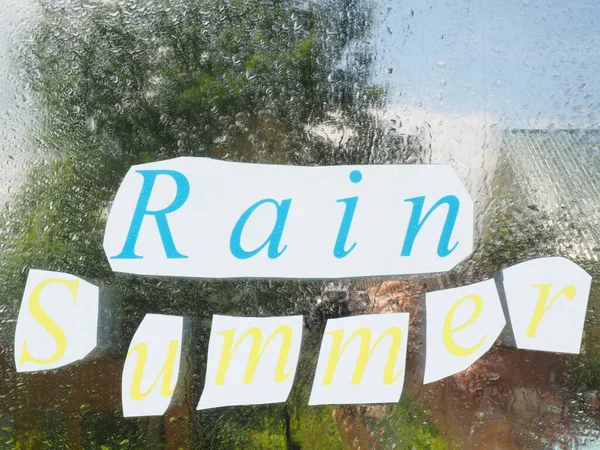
<point x="416" y="223"/>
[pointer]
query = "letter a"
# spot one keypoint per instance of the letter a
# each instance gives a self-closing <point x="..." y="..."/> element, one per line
<point x="273" y="240"/>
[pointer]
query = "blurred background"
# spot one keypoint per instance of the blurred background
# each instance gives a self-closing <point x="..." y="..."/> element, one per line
<point x="506" y="92"/>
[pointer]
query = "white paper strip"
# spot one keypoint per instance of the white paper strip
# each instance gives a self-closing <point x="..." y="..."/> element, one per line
<point x="547" y="301"/>
<point x="462" y="325"/>
<point x="362" y="360"/>
<point x="152" y="366"/>
<point x="197" y="217"/>
<point x="58" y="321"/>
<point x="251" y="360"/>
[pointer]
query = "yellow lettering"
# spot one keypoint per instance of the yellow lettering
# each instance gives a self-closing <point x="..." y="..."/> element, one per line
<point x="364" y="354"/>
<point x="166" y="372"/>
<point x="256" y="353"/>
<point x="448" y="331"/>
<point x="46" y="321"/>
<point x="541" y="309"/>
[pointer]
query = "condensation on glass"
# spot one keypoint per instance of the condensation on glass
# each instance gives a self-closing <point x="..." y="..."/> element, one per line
<point x="505" y="92"/>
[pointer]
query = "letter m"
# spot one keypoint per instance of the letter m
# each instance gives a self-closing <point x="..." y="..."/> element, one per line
<point x="256" y="352"/>
<point x="365" y="352"/>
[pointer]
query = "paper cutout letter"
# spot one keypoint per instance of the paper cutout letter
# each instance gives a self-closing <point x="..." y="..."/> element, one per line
<point x="58" y="321"/>
<point x="189" y="217"/>
<point x="462" y="325"/>
<point x="547" y="300"/>
<point x="362" y="360"/>
<point x="152" y="366"/>
<point x="251" y="361"/>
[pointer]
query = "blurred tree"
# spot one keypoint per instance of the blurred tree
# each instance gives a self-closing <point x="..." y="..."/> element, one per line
<point x="127" y="82"/>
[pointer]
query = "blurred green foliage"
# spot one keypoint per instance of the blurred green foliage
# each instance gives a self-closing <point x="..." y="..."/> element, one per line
<point x="128" y="82"/>
<point x="407" y="427"/>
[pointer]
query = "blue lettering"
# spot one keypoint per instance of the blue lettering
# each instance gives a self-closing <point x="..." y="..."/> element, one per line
<point x="339" y="250"/>
<point x="415" y="224"/>
<point x="273" y="240"/>
<point x="141" y="210"/>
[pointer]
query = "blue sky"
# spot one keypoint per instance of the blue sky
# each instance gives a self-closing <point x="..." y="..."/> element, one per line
<point x="526" y="63"/>
<point x="517" y="63"/>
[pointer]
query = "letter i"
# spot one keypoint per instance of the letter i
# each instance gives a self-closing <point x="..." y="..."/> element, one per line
<point x="339" y="250"/>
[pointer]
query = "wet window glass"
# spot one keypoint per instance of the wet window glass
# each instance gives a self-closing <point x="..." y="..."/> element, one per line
<point x="507" y="93"/>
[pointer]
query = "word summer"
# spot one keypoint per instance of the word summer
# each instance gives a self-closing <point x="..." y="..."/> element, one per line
<point x="198" y="217"/>
<point x="361" y="360"/>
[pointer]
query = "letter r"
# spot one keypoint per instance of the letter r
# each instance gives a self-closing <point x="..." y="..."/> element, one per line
<point x="141" y="210"/>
